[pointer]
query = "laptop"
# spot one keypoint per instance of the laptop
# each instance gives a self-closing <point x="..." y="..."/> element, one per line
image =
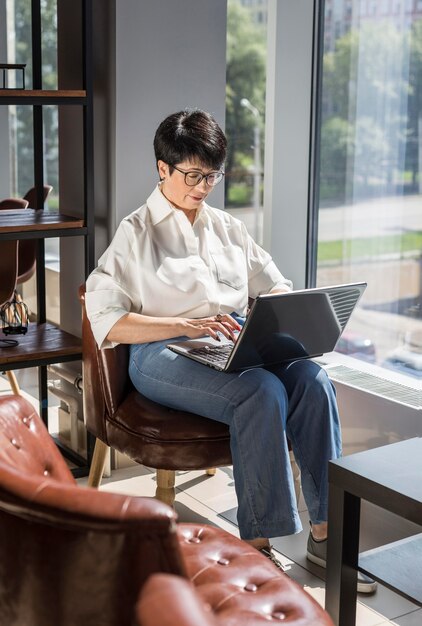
<point x="280" y="328"/>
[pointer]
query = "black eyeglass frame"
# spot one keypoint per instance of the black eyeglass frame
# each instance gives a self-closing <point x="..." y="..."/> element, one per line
<point x="200" y="175"/>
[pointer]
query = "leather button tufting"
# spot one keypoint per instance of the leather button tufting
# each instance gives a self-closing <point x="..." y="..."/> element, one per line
<point x="278" y="615"/>
<point x="15" y="443"/>
<point x="251" y="587"/>
<point x="194" y="540"/>
<point x="46" y="472"/>
<point x="25" y="420"/>
<point x="223" y="561"/>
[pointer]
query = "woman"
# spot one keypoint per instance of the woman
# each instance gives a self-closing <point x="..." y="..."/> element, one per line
<point x="179" y="268"/>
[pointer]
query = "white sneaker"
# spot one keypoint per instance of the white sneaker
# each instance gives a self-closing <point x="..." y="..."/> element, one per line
<point x="317" y="553"/>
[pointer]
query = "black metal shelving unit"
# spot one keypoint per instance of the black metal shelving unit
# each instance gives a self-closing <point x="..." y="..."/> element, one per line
<point x="46" y="344"/>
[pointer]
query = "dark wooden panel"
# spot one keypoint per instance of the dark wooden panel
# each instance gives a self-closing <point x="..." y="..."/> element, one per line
<point x="42" y="343"/>
<point x="24" y="220"/>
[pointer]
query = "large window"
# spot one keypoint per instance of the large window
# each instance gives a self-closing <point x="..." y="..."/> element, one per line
<point x="370" y="204"/>
<point x="19" y="50"/>
<point x="245" y="110"/>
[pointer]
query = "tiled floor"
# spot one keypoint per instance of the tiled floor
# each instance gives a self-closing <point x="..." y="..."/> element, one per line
<point x="210" y="500"/>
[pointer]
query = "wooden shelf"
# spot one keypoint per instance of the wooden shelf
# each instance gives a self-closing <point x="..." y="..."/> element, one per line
<point x="42" y="96"/>
<point x="43" y="344"/>
<point x="32" y="224"/>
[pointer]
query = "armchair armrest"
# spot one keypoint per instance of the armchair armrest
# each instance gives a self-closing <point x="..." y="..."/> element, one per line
<point x="167" y="600"/>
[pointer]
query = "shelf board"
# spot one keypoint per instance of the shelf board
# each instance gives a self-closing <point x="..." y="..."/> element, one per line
<point x="23" y="221"/>
<point x="397" y="565"/>
<point x="42" y="96"/>
<point x="43" y="344"/>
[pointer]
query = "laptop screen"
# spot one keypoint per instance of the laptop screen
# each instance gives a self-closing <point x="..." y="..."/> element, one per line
<point x="298" y="324"/>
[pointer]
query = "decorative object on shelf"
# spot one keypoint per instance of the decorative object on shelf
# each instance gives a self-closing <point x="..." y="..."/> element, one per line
<point x="14" y="316"/>
<point x="18" y="67"/>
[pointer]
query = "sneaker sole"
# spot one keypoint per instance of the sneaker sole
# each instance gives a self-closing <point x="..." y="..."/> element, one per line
<point x="367" y="587"/>
<point x="361" y="587"/>
<point x="315" y="559"/>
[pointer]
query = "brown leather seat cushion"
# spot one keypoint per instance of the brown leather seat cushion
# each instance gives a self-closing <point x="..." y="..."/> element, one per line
<point x="170" y="439"/>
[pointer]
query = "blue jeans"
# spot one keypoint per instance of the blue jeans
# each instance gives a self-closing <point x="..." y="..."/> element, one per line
<point x="262" y="407"/>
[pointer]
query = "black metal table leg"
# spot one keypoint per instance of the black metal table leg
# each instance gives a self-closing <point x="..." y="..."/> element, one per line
<point x="342" y="556"/>
<point x="43" y="391"/>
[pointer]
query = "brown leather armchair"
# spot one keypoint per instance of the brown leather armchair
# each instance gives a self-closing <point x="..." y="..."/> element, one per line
<point x="28" y="247"/>
<point x="74" y="556"/>
<point x="8" y="277"/>
<point x="27" y="253"/>
<point x="9" y="204"/>
<point x="149" y="433"/>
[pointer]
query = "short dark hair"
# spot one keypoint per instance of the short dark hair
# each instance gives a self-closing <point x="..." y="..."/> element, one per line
<point x="191" y="134"/>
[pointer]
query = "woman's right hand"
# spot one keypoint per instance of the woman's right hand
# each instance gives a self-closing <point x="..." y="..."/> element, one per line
<point x="224" y="324"/>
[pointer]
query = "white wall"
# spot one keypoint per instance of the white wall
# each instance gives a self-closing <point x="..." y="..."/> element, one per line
<point x="169" y="55"/>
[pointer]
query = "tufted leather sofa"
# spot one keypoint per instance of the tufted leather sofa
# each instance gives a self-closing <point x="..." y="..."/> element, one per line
<point x="166" y="600"/>
<point x="74" y="556"/>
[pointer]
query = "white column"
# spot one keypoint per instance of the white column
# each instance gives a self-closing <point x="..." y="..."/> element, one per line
<point x="288" y="128"/>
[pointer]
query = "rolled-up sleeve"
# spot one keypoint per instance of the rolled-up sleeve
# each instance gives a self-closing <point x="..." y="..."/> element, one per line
<point x="108" y="288"/>
<point x="263" y="274"/>
<point x="104" y="307"/>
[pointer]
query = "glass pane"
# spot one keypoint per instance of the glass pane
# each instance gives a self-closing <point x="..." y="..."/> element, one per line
<point x="245" y="111"/>
<point x="370" y="205"/>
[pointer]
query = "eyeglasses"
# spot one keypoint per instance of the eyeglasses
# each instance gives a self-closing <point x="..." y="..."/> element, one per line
<point x="193" y="178"/>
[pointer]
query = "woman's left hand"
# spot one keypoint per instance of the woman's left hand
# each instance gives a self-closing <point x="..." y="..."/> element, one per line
<point x="223" y="323"/>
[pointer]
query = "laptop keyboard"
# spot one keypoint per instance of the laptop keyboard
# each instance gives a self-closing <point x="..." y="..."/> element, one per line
<point x="213" y="354"/>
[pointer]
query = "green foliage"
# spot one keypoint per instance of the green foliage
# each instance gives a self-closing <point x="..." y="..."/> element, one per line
<point x="246" y="61"/>
<point x="341" y="251"/>
<point x="372" y="97"/>
<point x="240" y="194"/>
<point x="335" y="132"/>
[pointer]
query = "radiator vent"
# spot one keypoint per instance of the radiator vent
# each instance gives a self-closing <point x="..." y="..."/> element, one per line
<point x="377" y="385"/>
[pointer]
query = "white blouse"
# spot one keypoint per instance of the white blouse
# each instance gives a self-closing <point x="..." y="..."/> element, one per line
<point x="158" y="264"/>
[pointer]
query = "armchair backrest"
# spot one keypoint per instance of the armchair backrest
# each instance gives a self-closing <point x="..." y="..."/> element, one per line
<point x="105" y="375"/>
<point x="70" y="555"/>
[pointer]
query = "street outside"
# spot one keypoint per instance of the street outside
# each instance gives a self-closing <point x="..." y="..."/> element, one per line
<point x="394" y="280"/>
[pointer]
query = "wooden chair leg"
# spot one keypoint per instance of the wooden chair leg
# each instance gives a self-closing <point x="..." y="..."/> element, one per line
<point x="296" y="475"/>
<point x="165" y="486"/>
<point x="211" y="471"/>
<point x="97" y="464"/>
<point x="13" y="383"/>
